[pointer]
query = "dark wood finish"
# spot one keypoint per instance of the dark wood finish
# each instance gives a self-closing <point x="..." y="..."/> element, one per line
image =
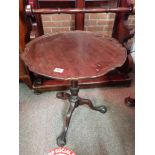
<point x="74" y="101"/>
<point x="79" y="17"/>
<point x="23" y="72"/>
<point x="84" y="55"/>
<point x="57" y="4"/>
<point x="121" y="30"/>
<point x="74" y="56"/>
<point x="71" y="3"/>
<point x="52" y="84"/>
<point x="71" y="0"/>
<point x="22" y="26"/>
<point x="100" y="3"/>
<point x="106" y="80"/>
<point x="130" y="102"/>
<point x="37" y="26"/>
<point x="80" y="11"/>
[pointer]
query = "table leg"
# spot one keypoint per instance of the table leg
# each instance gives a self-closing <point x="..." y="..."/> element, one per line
<point x="61" y="140"/>
<point x="101" y="108"/>
<point x="73" y="99"/>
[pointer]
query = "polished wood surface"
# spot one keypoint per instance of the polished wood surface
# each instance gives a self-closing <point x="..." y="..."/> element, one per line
<point x="121" y="30"/>
<point x="81" y="10"/>
<point x="71" y="3"/>
<point x="23" y="29"/>
<point x="79" y="54"/>
<point x="79" y="17"/>
<point x="118" y="33"/>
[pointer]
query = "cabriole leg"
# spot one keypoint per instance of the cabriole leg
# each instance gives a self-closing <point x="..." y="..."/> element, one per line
<point x="101" y="108"/>
<point x="61" y="140"/>
<point x="73" y="99"/>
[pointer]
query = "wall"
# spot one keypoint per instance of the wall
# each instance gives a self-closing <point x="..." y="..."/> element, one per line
<point x="97" y="22"/>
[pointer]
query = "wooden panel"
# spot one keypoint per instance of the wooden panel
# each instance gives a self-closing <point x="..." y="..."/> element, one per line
<point x="71" y="3"/>
<point x="121" y="29"/>
<point x="35" y="4"/>
<point x="22" y="27"/>
<point x="22" y="71"/>
<point x="23" y="74"/>
<point x="57" y="4"/>
<point x="79" y="17"/>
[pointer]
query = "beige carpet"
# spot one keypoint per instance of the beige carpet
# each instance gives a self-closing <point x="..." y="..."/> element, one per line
<point x="90" y="132"/>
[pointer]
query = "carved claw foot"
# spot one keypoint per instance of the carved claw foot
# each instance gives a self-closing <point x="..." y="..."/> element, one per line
<point x="61" y="140"/>
<point x="130" y="102"/>
<point x="63" y="95"/>
<point x="102" y="109"/>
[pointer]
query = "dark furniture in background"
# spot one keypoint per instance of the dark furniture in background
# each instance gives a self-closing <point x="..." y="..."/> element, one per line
<point x="31" y="28"/>
<point x="23" y="39"/>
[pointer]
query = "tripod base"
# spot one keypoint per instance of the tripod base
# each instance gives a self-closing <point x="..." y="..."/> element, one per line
<point x="74" y="101"/>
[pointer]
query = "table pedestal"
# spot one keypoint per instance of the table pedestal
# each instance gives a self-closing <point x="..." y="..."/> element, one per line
<point x="74" y="101"/>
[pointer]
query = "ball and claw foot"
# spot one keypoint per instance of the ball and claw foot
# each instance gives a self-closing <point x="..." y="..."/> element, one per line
<point x="102" y="109"/>
<point x="130" y="102"/>
<point x="61" y="140"/>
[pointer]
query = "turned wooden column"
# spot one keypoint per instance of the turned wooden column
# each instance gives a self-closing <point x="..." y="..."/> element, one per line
<point x="79" y="17"/>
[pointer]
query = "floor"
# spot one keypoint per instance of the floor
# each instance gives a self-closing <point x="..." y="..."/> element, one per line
<point x="90" y="132"/>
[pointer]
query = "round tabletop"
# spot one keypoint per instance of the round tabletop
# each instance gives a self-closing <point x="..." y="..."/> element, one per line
<point x="73" y="55"/>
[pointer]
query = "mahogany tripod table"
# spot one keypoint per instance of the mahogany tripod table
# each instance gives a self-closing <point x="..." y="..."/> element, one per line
<point x="72" y="56"/>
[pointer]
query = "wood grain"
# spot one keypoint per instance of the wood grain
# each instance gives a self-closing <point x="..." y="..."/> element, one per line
<point x="81" y="55"/>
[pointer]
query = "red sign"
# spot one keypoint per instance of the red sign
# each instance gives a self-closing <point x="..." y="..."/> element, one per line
<point x="61" y="151"/>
